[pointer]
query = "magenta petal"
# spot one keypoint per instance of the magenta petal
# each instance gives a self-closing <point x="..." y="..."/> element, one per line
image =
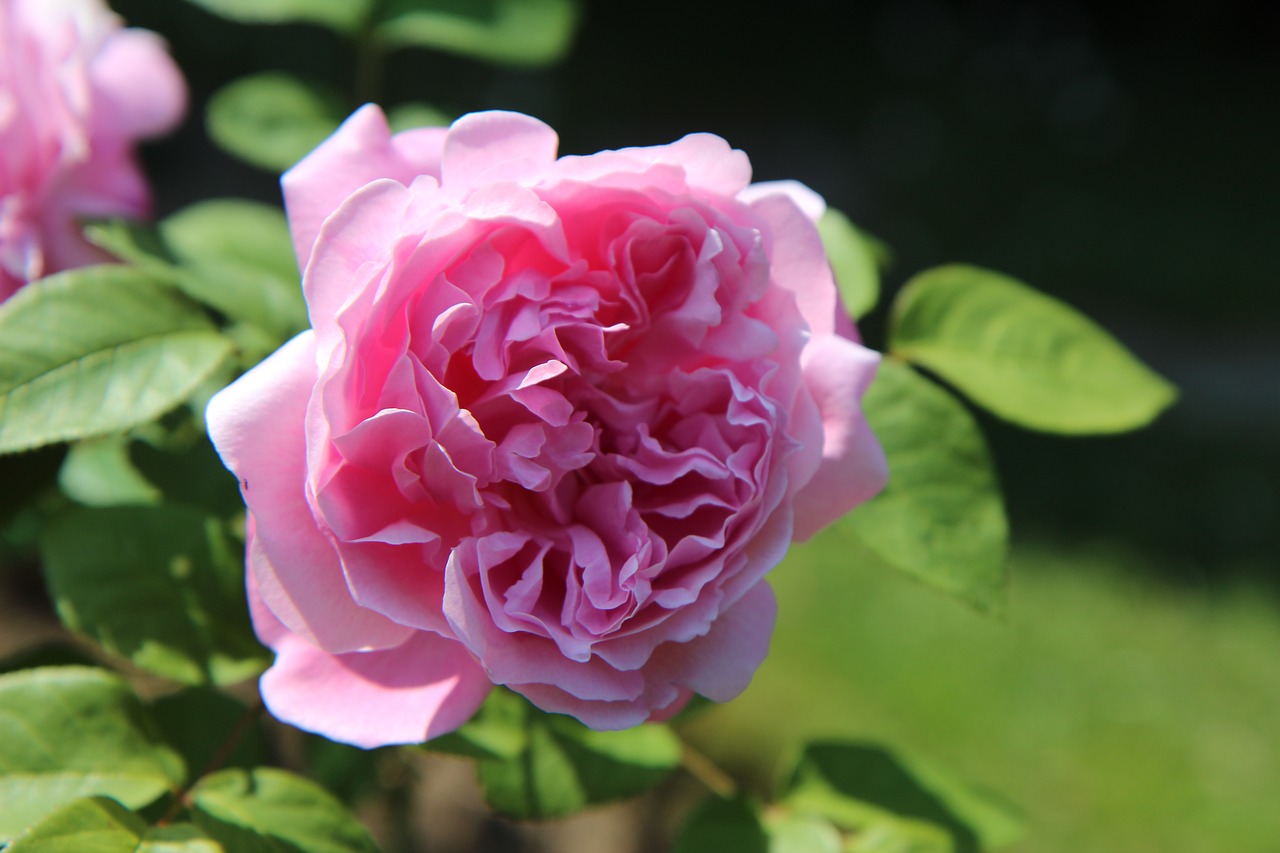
<point x="853" y="468"/>
<point x="256" y="424"/>
<point x="424" y="687"/>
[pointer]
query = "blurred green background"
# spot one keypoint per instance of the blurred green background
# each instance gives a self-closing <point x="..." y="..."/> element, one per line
<point x="1123" y="158"/>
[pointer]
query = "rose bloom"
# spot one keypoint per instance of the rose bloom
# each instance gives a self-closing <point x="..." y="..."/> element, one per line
<point x="555" y="421"/>
<point x="76" y="92"/>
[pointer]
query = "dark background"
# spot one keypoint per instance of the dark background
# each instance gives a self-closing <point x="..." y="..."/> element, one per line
<point x="1123" y="159"/>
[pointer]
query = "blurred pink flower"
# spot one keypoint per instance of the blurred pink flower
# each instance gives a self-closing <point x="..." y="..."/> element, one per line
<point x="76" y="92"/>
<point x="555" y="421"/>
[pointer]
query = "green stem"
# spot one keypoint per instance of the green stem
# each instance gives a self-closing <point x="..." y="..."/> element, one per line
<point x="705" y="771"/>
<point x="369" y="59"/>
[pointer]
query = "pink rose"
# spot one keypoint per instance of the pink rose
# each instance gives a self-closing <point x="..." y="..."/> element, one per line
<point x="555" y="421"/>
<point x="76" y="92"/>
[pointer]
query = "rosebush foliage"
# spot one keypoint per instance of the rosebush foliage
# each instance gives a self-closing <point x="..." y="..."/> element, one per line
<point x="141" y="538"/>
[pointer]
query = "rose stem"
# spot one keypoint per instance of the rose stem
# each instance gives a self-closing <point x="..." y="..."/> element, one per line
<point x="705" y="771"/>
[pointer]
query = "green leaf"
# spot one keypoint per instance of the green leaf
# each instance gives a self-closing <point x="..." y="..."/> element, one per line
<point x="187" y="471"/>
<point x="198" y="721"/>
<point x="178" y="838"/>
<point x="95" y="351"/>
<point x="53" y="653"/>
<point x="346" y="771"/>
<point x="723" y="824"/>
<point x="99" y="472"/>
<point x="101" y="825"/>
<point x="413" y="115"/>
<point x="859" y="786"/>
<point x="802" y="833"/>
<point x="271" y="809"/>
<point x="497" y="731"/>
<point x="92" y="825"/>
<point x="160" y="586"/>
<point x="941" y="518"/>
<point x="853" y="260"/>
<point x="563" y="766"/>
<point x="1025" y="356"/>
<point x="71" y="732"/>
<point x="345" y="16"/>
<point x="133" y="242"/>
<point x="514" y="32"/>
<point x="902" y="836"/>
<point x="237" y="256"/>
<point x="272" y="120"/>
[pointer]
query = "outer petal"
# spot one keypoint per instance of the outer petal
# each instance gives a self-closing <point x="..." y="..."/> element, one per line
<point x="853" y="468"/>
<point x="496" y="146"/>
<point x="799" y="261"/>
<point x="143" y="90"/>
<point x="424" y="687"/>
<point x="360" y="151"/>
<point x="806" y="199"/>
<point x="256" y="423"/>
<point x="359" y="229"/>
<point x="720" y="664"/>
<point x="705" y="161"/>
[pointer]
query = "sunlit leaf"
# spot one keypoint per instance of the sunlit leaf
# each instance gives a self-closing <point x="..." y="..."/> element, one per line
<point x="853" y="260"/>
<point x="941" y="517"/>
<point x="497" y="730"/>
<point x="73" y="732"/>
<point x="160" y="586"/>
<point x="861" y="786"/>
<point x="91" y="825"/>
<point x="1025" y="356"/>
<point x="903" y="836"/>
<point x="538" y="765"/>
<point x="98" y="350"/>
<point x="269" y="809"/>
<point x="101" y="825"/>
<point x="98" y="472"/>
<point x="803" y="833"/>
<point x="178" y="838"/>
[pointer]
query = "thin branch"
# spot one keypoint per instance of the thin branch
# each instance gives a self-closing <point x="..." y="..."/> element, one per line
<point x="705" y="771"/>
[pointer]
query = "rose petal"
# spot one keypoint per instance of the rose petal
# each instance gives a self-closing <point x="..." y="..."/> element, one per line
<point x="142" y="90"/>
<point x="494" y="147"/>
<point x="854" y="468"/>
<point x="256" y="423"/>
<point x="720" y="664"/>
<point x="799" y="260"/>
<point x="359" y="152"/>
<point x="424" y="687"/>
<point x="806" y="199"/>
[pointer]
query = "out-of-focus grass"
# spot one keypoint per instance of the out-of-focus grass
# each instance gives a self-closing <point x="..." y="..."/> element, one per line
<point x="1119" y="712"/>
